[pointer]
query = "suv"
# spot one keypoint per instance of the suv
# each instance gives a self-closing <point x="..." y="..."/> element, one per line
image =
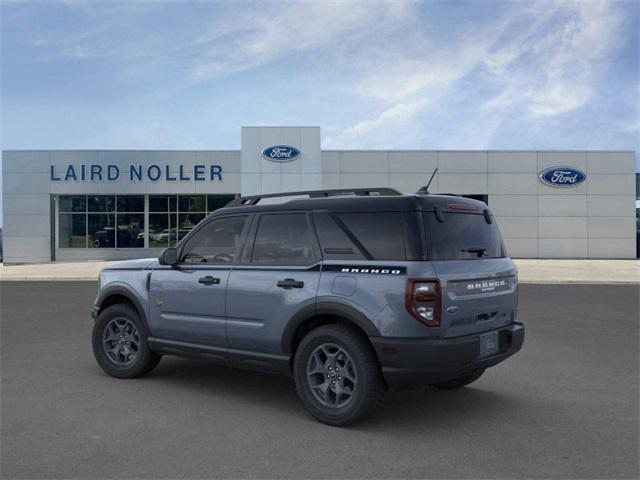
<point x="350" y="292"/>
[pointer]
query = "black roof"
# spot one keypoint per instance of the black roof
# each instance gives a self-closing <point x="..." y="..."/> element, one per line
<point x="382" y="200"/>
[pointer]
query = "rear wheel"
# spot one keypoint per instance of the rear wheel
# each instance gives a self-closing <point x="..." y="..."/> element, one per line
<point x="120" y="343"/>
<point x="337" y="375"/>
<point x="460" y="381"/>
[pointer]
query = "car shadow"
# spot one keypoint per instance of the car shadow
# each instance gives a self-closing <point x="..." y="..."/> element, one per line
<point x="425" y="408"/>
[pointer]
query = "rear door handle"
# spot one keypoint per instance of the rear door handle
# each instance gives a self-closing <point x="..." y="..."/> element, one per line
<point x="290" y="283"/>
<point x="209" y="280"/>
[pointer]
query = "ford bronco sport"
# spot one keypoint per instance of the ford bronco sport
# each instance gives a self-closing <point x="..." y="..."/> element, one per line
<point x="350" y="292"/>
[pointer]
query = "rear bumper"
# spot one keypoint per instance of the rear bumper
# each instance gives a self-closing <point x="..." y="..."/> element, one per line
<point x="414" y="363"/>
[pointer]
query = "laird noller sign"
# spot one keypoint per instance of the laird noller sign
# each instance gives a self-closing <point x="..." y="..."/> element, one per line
<point x="135" y="173"/>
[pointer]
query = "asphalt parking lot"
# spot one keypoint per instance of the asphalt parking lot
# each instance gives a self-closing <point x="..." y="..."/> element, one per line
<point x="564" y="407"/>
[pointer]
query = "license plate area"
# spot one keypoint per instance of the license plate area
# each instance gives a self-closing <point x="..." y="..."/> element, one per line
<point x="489" y="344"/>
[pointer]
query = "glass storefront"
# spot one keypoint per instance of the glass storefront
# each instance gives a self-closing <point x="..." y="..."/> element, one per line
<point x="118" y="221"/>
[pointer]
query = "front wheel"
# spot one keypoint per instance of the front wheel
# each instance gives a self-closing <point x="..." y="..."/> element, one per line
<point x="120" y="343"/>
<point x="337" y="375"/>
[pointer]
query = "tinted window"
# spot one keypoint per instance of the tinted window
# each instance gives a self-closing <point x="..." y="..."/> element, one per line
<point x="158" y="203"/>
<point x="334" y="241"/>
<point x="217" y="242"/>
<point x="162" y="229"/>
<point x="380" y="233"/>
<point x="192" y="203"/>
<point x="72" y="230"/>
<point x="283" y="239"/>
<point x="462" y="236"/>
<point x="131" y="204"/>
<point x="130" y="230"/>
<point x="101" y="204"/>
<point x="70" y="203"/>
<point x="101" y="228"/>
<point x="218" y="201"/>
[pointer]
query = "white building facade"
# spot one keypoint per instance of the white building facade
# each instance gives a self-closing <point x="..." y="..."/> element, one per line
<point x="115" y="204"/>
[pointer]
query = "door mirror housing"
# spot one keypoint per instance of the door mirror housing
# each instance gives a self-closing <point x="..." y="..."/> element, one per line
<point x="169" y="256"/>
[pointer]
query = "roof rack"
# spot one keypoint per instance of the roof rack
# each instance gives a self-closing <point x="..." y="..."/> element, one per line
<point x="360" y="192"/>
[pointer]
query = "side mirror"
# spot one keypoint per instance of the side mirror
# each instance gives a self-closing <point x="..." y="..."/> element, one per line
<point x="169" y="256"/>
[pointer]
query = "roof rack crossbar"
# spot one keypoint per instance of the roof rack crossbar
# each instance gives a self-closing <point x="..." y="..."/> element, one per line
<point x="254" y="199"/>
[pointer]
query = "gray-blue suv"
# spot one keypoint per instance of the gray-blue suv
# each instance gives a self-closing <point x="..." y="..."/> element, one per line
<point x="350" y="292"/>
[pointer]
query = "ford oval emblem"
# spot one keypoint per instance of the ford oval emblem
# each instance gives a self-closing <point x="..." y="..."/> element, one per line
<point x="452" y="309"/>
<point x="562" y="177"/>
<point x="281" y="153"/>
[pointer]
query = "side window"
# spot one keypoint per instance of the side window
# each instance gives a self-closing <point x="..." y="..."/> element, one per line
<point x="283" y="239"/>
<point x="335" y="244"/>
<point x="217" y="242"/>
<point x="380" y="233"/>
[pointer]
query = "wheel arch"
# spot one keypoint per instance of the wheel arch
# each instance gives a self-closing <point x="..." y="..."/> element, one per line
<point x="117" y="294"/>
<point x="323" y="313"/>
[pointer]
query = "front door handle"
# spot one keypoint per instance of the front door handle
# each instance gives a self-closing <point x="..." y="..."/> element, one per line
<point x="290" y="283"/>
<point x="209" y="280"/>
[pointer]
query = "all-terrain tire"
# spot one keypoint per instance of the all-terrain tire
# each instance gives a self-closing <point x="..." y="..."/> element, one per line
<point x="120" y="344"/>
<point x="361" y="374"/>
<point x="460" y="381"/>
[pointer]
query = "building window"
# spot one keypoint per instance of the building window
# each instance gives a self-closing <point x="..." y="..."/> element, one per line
<point x="191" y="210"/>
<point x="73" y="230"/>
<point x="130" y="221"/>
<point x="117" y="221"/>
<point x="101" y="221"/>
<point x="162" y="221"/>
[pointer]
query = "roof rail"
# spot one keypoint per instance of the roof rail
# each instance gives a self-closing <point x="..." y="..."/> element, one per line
<point x="360" y="192"/>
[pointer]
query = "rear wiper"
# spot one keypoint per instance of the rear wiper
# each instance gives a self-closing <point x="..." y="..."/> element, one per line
<point x="479" y="250"/>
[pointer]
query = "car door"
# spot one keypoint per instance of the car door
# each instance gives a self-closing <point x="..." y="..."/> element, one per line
<point x="277" y="277"/>
<point x="187" y="301"/>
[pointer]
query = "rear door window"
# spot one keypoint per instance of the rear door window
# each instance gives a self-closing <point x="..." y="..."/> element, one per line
<point x="284" y="239"/>
<point x="462" y="236"/>
<point x="381" y="234"/>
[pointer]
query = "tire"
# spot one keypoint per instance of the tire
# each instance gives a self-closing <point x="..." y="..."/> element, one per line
<point x="460" y="381"/>
<point x="359" y="383"/>
<point x="119" y="326"/>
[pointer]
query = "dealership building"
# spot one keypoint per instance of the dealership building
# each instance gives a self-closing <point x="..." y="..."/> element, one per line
<point x="114" y="204"/>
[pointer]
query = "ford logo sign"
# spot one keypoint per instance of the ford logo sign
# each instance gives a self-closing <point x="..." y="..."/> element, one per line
<point x="281" y="153"/>
<point x="562" y="177"/>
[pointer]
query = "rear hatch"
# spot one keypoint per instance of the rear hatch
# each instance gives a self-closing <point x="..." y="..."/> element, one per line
<point x="478" y="281"/>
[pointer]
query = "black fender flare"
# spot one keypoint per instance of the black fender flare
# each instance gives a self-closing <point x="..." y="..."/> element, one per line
<point x="330" y="309"/>
<point x="123" y="291"/>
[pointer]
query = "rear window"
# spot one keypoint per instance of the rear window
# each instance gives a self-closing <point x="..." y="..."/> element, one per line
<point x="462" y="236"/>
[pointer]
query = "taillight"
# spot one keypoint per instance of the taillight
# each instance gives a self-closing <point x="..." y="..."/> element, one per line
<point x="422" y="300"/>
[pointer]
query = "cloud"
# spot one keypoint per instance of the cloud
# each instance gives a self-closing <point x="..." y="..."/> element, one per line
<point x="261" y="37"/>
<point x="539" y="60"/>
<point x="229" y="38"/>
<point x="551" y="67"/>
<point x="387" y="74"/>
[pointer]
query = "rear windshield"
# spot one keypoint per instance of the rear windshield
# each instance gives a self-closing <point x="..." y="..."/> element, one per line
<point x="462" y="236"/>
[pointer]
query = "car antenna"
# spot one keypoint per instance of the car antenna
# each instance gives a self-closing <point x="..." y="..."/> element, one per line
<point x="425" y="190"/>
